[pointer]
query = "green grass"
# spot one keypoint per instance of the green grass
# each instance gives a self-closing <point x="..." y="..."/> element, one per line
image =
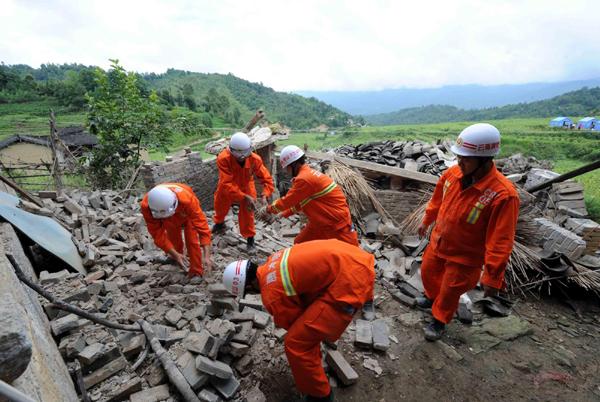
<point x="32" y="118"/>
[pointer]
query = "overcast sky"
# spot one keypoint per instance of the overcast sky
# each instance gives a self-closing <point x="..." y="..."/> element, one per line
<point x="316" y="45"/>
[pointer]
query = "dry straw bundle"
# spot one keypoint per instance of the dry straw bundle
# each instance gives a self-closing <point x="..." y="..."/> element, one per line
<point x="359" y="193"/>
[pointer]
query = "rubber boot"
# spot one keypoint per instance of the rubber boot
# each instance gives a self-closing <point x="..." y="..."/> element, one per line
<point x="434" y="330"/>
<point x="218" y="228"/>
<point x="423" y="303"/>
<point x="250" y="247"/>
<point x="368" y="311"/>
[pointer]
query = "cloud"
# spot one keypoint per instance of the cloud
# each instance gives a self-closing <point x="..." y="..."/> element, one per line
<point x="318" y="45"/>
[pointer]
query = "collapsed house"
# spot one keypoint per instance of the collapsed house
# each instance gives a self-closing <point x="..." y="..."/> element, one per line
<point x="214" y="340"/>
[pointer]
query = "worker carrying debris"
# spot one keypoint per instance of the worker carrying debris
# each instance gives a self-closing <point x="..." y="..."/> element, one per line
<point x="312" y="289"/>
<point x="169" y="207"/>
<point x="475" y="210"/>
<point x="237" y="165"/>
<point x="318" y="197"/>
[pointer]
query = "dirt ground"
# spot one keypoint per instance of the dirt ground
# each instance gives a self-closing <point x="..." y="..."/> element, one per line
<point x="558" y="361"/>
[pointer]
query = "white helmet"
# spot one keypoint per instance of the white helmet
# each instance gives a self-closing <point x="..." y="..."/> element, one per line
<point x="234" y="277"/>
<point x="479" y="139"/>
<point x="240" y="145"/>
<point x="289" y="154"/>
<point x="162" y="202"/>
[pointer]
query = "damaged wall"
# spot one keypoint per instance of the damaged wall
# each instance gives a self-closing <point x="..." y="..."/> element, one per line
<point x="399" y="204"/>
<point x="46" y="377"/>
<point x="201" y="176"/>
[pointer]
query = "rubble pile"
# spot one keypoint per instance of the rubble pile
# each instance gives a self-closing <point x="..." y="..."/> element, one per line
<point x="412" y="155"/>
<point x="215" y="340"/>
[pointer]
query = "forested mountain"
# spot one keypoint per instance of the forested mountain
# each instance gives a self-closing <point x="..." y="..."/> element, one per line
<point x="460" y="96"/>
<point x="583" y="102"/>
<point x="215" y="97"/>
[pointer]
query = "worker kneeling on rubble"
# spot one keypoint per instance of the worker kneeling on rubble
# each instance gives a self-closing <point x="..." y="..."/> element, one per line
<point x="168" y="208"/>
<point x="318" y="197"/>
<point x="312" y="290"/>
<point x="237" y="165"/>
<point x="475" y="210"/>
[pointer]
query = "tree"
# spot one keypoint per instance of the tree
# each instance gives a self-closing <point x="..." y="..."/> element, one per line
<point x="125" y="122"/>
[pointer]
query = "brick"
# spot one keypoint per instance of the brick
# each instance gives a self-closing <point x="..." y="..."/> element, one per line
<point x="154" y="394"/>
<point x="70" y="346"/>
<point x="244" y="365"/>
<point x="197" y="312"/>
<point x="261" y="319"/>
<point x="363" y="333"/>
<point x="402" y="298"/>
<point x="105" y="372"/>
<point x="279" y="333"/>
<point x="47" y="194"/>
<point x="381" y="333"/>
<point x="207" y="396"/>
<point x="240" y="317"/>
<point x="122" y="393"/>
<point x="173" y="315"/>
<point x="132" y="344"/>
<point x="54" y="277"/>
<point x="202" y="343"/>
<point x="346" y="374"/>
<point x="226" y="303"/>
<point x="214" y="368"/>
<point x="106" y="354"/>
<point x="222" y="329"/>
<point x="255" y="304"/>
<point x="73" y="207"/>
<point x="244" y="335"/>
<point x="238" y="349"/>
<point x="187" y="365"/>
<point x="227" y="388"/>
<point x="218" y="289"/>
<point x="67" y="323"/>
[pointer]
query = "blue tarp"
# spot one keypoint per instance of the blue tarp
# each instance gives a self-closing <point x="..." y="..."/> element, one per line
<point x="51" y="236"/>
<point x="561" y="122"/>
<point x="588" y="123"/>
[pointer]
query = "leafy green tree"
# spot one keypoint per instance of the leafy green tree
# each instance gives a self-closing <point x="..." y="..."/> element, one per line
<point x="125" y="122"/>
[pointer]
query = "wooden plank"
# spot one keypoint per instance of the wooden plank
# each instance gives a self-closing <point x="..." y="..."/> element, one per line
<point x="376" y="167"/>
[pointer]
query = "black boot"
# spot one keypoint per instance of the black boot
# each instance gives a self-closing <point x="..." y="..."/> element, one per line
<point x="423" y="303"/>
<point x="434" y="330"/>
<point x="250" y="247"/>
<point x="218" y="228"/>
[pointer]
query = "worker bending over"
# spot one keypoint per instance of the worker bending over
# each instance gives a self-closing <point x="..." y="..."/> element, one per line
<point x="475" y="210"/>
<point x="318" y="197"/>
<point x="168" y="208"/>
<point x="312" y="290"/>
<point x="237" y="167"/>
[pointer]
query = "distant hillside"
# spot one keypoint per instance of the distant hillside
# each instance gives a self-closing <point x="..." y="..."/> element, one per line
<point x="460" y="96"/>
<point x="582" y="102"/>
<point x="217" y="98"/>
<point x="246" y="97"/>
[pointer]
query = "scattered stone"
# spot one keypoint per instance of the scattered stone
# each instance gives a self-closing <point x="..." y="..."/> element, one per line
<point x="47" y="278"/>
<point x="187" y="364"/>
<point x="207" y="396"/>
<point x="244" y="365"/>
<point x="154" y="394"/>
<point x="373" y="365"/>
<point x="124" y="391"/>
<point x="256" y="395"/>
<point x="103" y="373"/>
<point x="381" y="340"/>
<point x="507" y="328"/>
<point x="363" y="333"/>
<point x="173" y="316"/>
<point x="227" y="388"/>
<point x="197" y="312"/>
<point x="341" y="367"/>
<point x="213" y="367"/>
<point x="202" y="343"/>
<point x="67" y="323"/>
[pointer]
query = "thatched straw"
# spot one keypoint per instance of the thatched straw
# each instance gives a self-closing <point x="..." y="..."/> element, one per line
<point x="358" y="192"/>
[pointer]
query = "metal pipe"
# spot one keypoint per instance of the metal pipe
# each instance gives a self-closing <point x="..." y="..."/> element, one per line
<point x="12" y="394"/>
<point x="579" y="171"/>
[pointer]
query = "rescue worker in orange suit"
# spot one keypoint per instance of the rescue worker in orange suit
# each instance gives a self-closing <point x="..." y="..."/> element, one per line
<point x="322" y="201"/>
<point x="475" y="210"/>
<point x="312" y="290"/>
<point x="168" y="208"/>
<point x="318" y="197"/>
<point x="237" y="165"/>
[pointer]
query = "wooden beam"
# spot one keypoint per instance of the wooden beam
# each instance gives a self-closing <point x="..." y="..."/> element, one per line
<point x="376" y="167"/>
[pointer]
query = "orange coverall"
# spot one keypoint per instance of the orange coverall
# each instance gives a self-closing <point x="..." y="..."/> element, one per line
<point x="167" y="232"/>
<point x="235" y="181"/>
<point x="323" y="202"/>
<point x="312" y="290"/>
<point x="474" y="227"/>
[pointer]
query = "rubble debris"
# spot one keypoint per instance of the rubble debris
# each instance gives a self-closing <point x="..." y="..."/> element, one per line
<point x="344" y="372"/>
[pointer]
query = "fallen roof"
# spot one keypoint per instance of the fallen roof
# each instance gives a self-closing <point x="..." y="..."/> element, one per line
<point x="44" y="231"/>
